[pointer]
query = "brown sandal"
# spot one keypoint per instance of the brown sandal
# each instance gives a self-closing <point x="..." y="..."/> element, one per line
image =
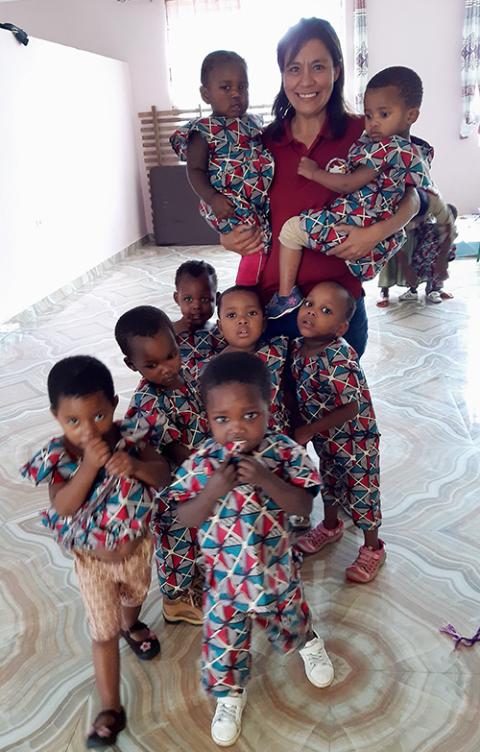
<point x="94" y="739"/>
<point x="145" y="649"/>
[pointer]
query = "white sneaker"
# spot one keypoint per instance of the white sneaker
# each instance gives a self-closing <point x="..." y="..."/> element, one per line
<point x="318" y="666"/>
<point x="434" y="297"/>
<point x="408" y="297"/>
<point x="227" y="721"/>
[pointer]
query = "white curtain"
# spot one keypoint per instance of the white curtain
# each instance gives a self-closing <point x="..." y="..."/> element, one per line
<point x="360" y="51"/>
<point x="470" y="70"/>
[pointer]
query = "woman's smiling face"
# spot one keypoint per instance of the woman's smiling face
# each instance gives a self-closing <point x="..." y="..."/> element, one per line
<point x="309" y="77"/>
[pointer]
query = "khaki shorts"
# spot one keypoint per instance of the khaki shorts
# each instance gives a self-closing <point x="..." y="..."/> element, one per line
<point x="292" y="234"/>
<point x="107" y="586"/>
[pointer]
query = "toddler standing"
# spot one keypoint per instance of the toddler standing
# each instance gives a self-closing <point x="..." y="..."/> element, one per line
<point x="227" y="165"/>
<point x="241" y="321"/>
<point x="100" y="475"/>
<point x="167" y="400"/>
<point x="239" y="488"/>
<point x="336" y="408"/>
<point x="196" y="295"/>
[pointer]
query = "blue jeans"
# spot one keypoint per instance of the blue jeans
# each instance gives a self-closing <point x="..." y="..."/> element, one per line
<point x="356" y="334"/>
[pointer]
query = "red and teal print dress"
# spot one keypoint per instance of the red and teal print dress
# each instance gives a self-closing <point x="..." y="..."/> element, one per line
<point x="399" y="162"/>
<point x="240" y="167"/>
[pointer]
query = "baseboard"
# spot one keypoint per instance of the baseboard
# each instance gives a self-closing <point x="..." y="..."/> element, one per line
<point x="45" y="304"/>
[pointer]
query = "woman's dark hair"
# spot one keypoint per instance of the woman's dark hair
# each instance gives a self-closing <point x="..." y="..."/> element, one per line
<point x="288" y="46"/>
<point x="236" y="368"/>
<point x="79" y="376"/>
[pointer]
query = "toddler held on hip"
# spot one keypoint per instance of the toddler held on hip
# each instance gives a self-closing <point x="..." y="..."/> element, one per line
<point x="380" y="165"/>
<point x="227" y="165"/>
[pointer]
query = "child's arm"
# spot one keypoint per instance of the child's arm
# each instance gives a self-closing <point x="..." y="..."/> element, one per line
<point x="336" y="181"/>
<point x="149" y="467"/>
<point x="68" y="497"/>
<point x="178" y="453"/>
<point x="197" y="171"/>
<point x="334" y="419"/>
<point x="292" y="499"/>
<point x="193" y="513"/>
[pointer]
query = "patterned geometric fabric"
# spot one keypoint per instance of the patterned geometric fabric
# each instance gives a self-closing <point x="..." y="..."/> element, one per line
<point x="399" y="162"/>
<point x="196" y="348"/>
<point x="241" y="168"/>
<point x="349" y="454"/>
<point x="226" y="657"/>
<point x="173" y="414"/>
<point x="274" y="354"/>
<point x="429" y="237"/>
<point x="245" y="544"/>
<point x="470" y="68"/>
<point x="117" y="509"/>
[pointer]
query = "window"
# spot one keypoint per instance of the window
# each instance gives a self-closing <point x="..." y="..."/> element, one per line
<point x="250" y="27"/>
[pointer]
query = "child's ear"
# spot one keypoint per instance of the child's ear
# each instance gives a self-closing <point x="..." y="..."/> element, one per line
<point x="175" y="297"/>
<point x="342" y="329"/>
<point x="412" y="115"/>
<point x="130" y="365"/>
<point x="204" y="94"/>
<point x="115" y="401"/>
<point x="219" y="326"/>
<point x="53" y="411"/>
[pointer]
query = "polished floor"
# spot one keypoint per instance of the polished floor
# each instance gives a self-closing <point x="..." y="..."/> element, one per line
<point x="399" y="686"/>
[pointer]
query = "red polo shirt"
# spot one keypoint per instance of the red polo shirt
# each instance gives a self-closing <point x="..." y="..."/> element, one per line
<point x="290" y="194"/>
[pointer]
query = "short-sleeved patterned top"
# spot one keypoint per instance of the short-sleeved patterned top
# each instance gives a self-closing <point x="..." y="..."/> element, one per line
<point x="117" y="510"/>
<point x="245" y="543"/>
<point x="239" y="166"/>
<point x="399" y="162"/>
<point x="196" y="348"/>
<point x="329" y="380"/>
<point x="173" y="414"/>
<point x="274" y="353"/>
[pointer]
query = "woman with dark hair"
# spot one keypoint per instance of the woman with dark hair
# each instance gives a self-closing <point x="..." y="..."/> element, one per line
<point x="311" y="120"/>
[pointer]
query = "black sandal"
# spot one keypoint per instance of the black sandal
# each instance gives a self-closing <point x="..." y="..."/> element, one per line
<point x="146" y="649"/>
<point x="119" y="722"/>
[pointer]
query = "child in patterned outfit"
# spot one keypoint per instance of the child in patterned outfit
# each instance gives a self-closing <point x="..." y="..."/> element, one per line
<point x="101" y="474"/>
<point x="227" y="165"/>
<point x="380" y="165"/>
<point x="167" y="400"/>
<point x="241" y="322"/>
<point x="336" y="409"/>
<point x="196" y="295"/>
<point x="239" y="488"/>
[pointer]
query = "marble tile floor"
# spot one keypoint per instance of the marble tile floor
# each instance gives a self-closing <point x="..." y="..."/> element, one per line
<point x="399" y="686"/>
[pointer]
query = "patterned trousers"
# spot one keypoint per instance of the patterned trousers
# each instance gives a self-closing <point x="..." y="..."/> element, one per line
<point x="226" y="657"/>
<point x="320" y="227"/>
<point x="176" y="555"/>
<point x="352" y="480"/>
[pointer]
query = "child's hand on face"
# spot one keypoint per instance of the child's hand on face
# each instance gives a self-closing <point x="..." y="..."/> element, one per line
<point x="223" y="480"/>
<point x="96" y="453"/>
<point x="304" y="434"/>
<point x="121" y="463"/>
<point x="250" y="470"/>
<point x="222" y="207"/>
<point x="307" y="168"/>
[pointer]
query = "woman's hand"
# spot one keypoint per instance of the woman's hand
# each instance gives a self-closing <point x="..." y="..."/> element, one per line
<point x="243" y="239"/>
<point x="307" y="168"/>
<point x="359" y="242"/>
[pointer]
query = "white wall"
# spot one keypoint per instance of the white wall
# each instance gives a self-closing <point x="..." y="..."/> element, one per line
<point x="70" y="192"/>
<point x="133" y="31"/>
<point x="426" y="35"/>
